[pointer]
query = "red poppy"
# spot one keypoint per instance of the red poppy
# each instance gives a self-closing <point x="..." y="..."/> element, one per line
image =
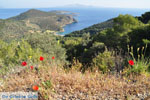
<point x="53" y="57"/>
<point x="24" y="63"/>
<point x="41" y="58"/>
<point x="131" y="62"/>
<point x="35" y="87"/>
<point x="31" y="67"/>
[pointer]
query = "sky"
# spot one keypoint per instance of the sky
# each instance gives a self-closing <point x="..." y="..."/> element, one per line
<point x="57" y="3"/>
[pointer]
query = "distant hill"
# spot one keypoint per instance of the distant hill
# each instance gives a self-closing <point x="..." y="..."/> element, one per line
<point x="92" y="29"/>
<point x="34" y="20"/>
<point x="53" y="20"/>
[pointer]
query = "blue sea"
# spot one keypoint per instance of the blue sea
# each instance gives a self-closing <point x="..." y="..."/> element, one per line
<point x="85" y="16"/>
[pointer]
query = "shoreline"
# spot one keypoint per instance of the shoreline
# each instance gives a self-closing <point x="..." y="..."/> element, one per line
<point x="63" y="30"/>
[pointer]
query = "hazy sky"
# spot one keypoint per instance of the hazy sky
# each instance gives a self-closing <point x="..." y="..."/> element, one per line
<point x="54" y="3"/>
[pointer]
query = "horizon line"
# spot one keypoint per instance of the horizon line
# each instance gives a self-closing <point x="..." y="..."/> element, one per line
<point x="69" y="7"/>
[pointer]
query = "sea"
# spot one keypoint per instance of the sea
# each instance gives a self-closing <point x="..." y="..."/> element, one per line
<point x="85" y="16"/>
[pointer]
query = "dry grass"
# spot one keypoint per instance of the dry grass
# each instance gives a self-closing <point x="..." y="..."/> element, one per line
<point x="74" y="82"/>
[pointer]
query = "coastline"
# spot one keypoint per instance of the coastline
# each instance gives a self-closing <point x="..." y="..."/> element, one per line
<point x="63" y="27"/>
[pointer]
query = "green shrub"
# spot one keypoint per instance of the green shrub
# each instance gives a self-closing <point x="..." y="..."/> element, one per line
<point x="49" y="45"/>
<point x="104" y="61"/>
<point x="14" y="53"/>
<point x="136" y="38"/>
<point x="89" y="53"/>
<point x="141" y="63"/>
<point x="140" y="67"/>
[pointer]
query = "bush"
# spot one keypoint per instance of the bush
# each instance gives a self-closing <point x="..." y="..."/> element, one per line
<point x="14" y="53"/>
<point x="141" y="64"/>
<point x="49" y="45"/>
<point x="137" y="36"/>
<point x="89" y="53"/>
<point x="104" y="61"/>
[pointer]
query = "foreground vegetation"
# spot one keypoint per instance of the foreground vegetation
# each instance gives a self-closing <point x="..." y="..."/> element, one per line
<point x="56" y="83"/>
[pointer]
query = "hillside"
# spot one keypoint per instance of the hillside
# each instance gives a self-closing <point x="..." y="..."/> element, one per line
<point x="35" y="21"/>
<point x="53" y="20"/>
<point x="95" y="29"/>
<point x="92" y="29"/>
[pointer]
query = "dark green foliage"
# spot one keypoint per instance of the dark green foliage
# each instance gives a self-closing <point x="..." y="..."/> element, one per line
<point x="72" y="45"/>
<point x="91" y="52"/>
<point x="117" y="37"/>
<point x="137" y="36"/>
<point x="145" y="18"/>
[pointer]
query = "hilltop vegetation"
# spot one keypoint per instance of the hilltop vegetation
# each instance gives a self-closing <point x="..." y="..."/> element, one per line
<point x="53" y="20"/>
<point x="145" y="18"/>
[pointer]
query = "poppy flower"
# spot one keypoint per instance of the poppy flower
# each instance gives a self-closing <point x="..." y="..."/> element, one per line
<point x="31" y="67"/>
<point x="35" y="87"/>
<point x="53" y="57"/>
<point x="24" y="63"/>
<point x="131" y="62"/>
<point x="41" y="58"/>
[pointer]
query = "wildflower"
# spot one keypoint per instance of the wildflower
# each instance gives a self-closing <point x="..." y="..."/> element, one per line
<point x="24" y="63"/>
<point x="30" y="57"/>
<point x="129" y="80"/>
<point x="131" y="62"/>
<point x="41" y="58"/>
<point x="53" y="57"/>
<point x="31" y="67"/>
<point x="35" y="87"/>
